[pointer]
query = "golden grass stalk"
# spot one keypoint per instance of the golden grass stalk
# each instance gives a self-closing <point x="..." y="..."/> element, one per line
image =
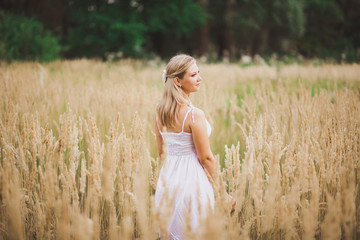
<point x="78" y="157"/>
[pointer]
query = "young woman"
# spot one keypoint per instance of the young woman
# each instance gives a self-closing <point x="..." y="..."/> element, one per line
<point x="188" y="149"/>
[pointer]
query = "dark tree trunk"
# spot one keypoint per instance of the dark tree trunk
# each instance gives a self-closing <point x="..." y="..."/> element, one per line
<point x="49" y="12"/>
<point x="229" y="46"/>
<point x="202" y="43"/>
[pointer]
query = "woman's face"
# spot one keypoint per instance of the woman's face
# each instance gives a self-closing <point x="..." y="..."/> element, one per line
<point x="191" y="80"/>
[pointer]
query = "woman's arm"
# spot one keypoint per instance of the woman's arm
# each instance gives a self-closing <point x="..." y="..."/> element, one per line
<point x="159" y="139"/>
<point x="201" y="141"/>
<point x="202" y="145"/>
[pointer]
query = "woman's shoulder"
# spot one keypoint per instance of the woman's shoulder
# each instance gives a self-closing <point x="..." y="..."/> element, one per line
<point x="198" y="114"/>
<point x="198" y="111"/>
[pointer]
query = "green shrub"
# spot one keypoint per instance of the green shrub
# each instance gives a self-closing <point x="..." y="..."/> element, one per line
<point x="23" y="38"/>
<point x="98" y="33"/>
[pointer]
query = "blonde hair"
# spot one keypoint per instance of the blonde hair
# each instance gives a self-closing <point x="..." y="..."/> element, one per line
<point x="174" y="96"/>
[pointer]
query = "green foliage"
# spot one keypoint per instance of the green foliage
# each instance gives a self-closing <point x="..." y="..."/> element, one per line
<point x="257" y="26"/>
<point x="98" y="28"/>
<point x="296" y="17"/>
<point x="103" y="30"/>
<point x="216" y="29"/>
<point x="171" y="25"/>
<point x="175" y="17"/>
<point x="23" y="38"/>
<point x="331" y="29"/>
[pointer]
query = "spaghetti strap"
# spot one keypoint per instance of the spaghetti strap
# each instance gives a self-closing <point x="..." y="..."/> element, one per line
<point x="191" y="109"/>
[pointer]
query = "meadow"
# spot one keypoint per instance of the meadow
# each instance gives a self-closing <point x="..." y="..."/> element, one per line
<point x="79" y="157"/>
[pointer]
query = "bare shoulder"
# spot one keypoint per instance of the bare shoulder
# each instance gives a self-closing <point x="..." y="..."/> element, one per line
<point x="198" y="112"/>
<point x="199" y="116"/>
<point x="198" y="125"/>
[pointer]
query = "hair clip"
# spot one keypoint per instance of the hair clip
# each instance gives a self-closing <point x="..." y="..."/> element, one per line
<point x="164" y="76"/>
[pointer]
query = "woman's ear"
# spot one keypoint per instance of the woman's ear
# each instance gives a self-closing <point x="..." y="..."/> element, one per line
<point x="177" y="81"/>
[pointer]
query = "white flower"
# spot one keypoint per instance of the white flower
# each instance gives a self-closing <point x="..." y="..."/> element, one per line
<point x="164" y="76"/>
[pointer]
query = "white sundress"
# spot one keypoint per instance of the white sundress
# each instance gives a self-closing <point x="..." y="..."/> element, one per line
<point x="184" y="175"/>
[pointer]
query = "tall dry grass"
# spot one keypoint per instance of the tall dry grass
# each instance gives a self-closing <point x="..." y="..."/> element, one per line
<point x="78" y="152"/>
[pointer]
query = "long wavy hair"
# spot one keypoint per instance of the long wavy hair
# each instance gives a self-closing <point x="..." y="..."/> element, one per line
<point x="174" y="96"/>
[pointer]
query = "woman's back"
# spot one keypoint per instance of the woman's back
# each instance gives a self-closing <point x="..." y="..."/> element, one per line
<point x="182" y="123"/>
<point x="188" y="152"/>
<point x="178" y="141"/>
<point x="183" y="175"/>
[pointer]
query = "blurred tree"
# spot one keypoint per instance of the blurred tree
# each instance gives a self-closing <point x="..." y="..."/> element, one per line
<point x="214" y="28"/>
<point x="332" y="29"/>
<point x="351" y="29"/>
<point x="132" y="27"/>
<point x="202" y="46"/>
<point x="217" y="9"/>
<point x="97" y="28"/>
<point x="23" y="38"/>
<point x="49" y="12"/>
<point x="171" y="24"/>
<point x="255" y="26"/>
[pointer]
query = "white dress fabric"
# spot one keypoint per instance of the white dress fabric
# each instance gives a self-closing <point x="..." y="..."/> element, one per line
<point x="185" y="177"/>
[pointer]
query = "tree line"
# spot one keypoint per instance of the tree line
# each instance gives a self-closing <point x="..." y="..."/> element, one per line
<point x="215" y="29"/>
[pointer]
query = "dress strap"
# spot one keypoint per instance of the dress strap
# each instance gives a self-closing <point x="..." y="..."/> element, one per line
<point x="191" y="108"/>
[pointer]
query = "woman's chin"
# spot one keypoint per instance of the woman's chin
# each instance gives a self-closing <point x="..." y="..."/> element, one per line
<point x="195" y="90"/>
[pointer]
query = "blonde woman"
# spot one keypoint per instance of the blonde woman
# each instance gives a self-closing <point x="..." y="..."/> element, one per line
<point x="188" y="148"/>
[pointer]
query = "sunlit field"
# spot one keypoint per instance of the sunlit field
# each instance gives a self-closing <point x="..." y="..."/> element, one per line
<point x="79" y="157"/>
